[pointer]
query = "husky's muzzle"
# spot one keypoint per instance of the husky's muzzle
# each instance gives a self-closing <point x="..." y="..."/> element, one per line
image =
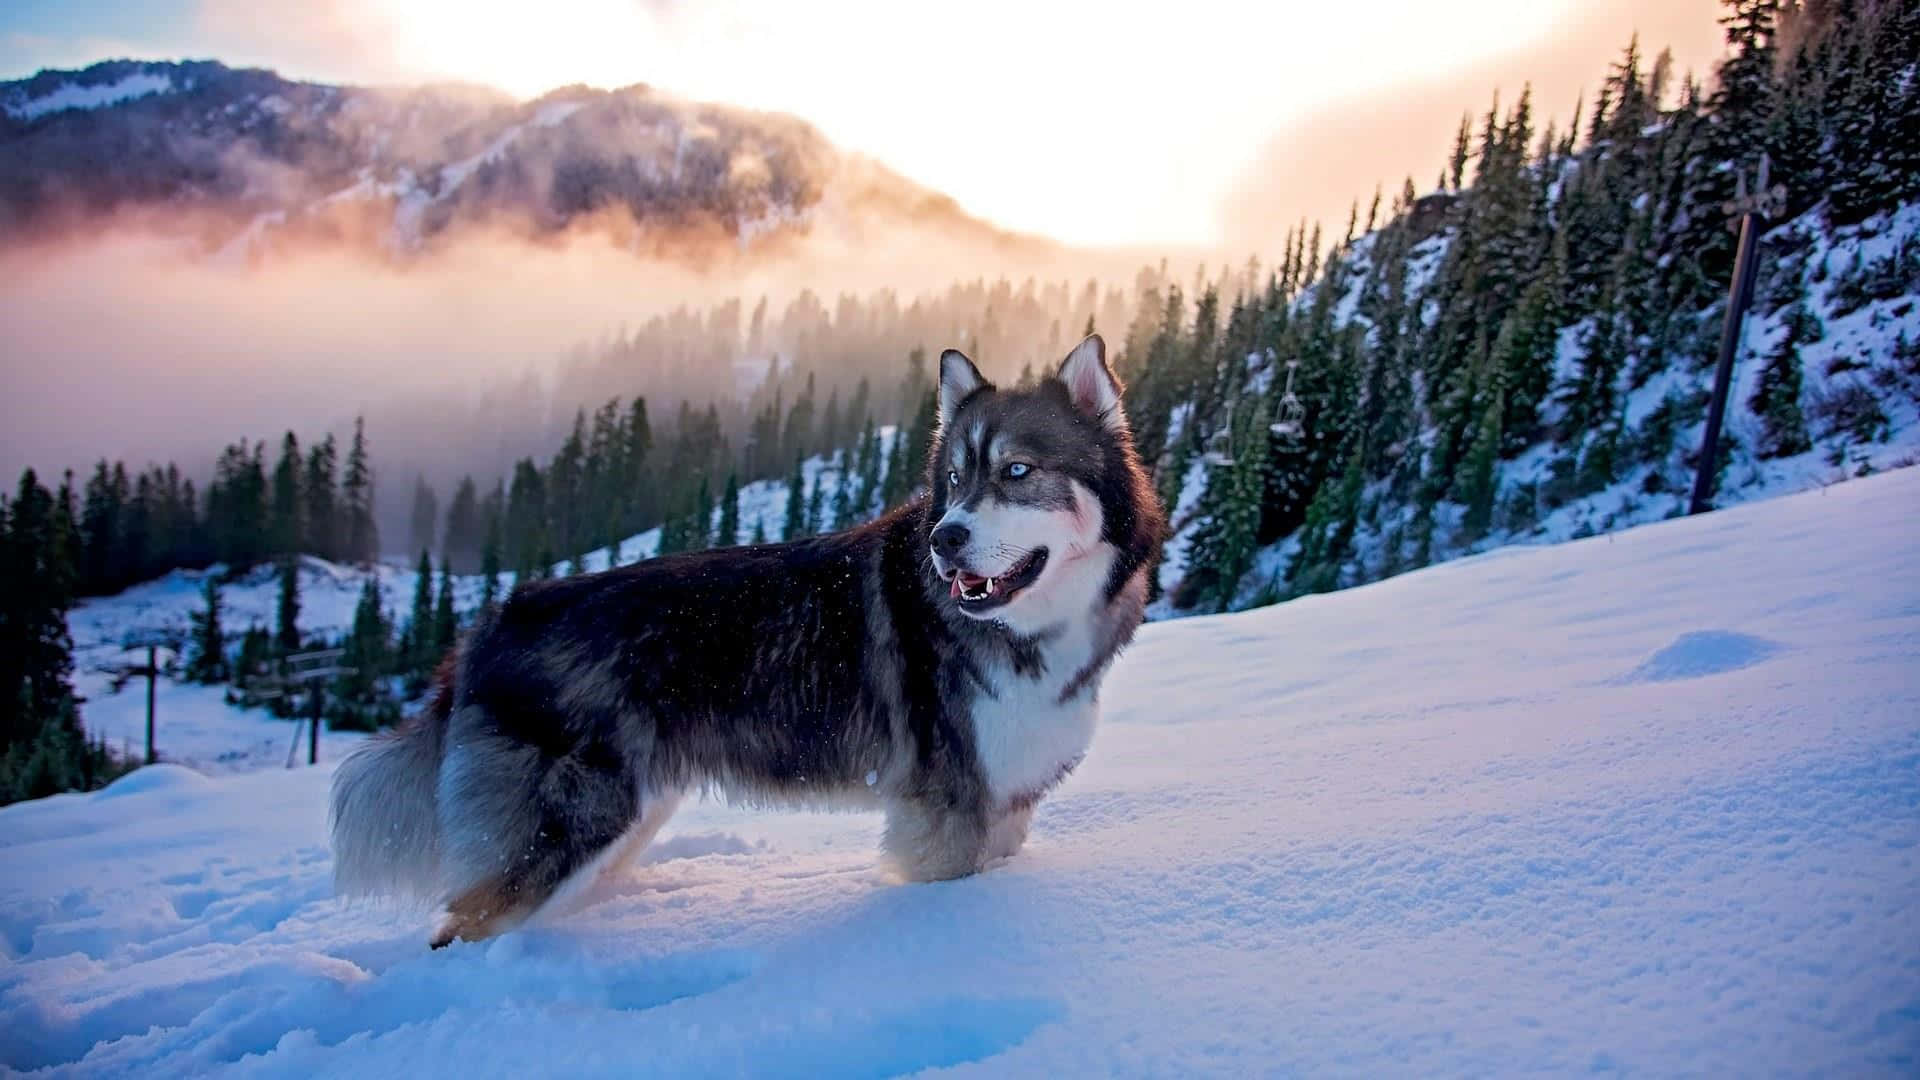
<point x="976" y="593"/>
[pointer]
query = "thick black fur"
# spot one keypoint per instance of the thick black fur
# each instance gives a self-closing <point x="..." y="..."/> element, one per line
<point x="827" y="671"/>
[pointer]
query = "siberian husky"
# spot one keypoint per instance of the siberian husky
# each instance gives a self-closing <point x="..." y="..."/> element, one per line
<point x="942" y="663"/>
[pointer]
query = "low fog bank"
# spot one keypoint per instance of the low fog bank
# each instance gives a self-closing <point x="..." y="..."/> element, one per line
<point x="133" y="345"/>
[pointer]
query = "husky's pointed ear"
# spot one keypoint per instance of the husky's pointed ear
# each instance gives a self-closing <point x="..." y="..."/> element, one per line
<point x="1091" y="383"/>
<point x="958" y="379"/>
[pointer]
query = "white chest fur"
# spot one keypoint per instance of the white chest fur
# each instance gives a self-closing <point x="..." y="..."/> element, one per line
<point x="1029" y="730"/>
<point x="1025" y="737"/>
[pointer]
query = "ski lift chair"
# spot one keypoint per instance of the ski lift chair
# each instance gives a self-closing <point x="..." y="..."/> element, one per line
<point x="1291" y="423"/>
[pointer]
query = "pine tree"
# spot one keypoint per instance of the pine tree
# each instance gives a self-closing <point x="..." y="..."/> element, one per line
<point x="1223" y="547"/>
<point x="446" y="624"/>
<point x="1480" y="482"/>
<point x="638" y="435"/>
<point x="830" y="437"/>
<point x="840" y="510"/>
<point x="490" y="564"/>
<point x="285" y="518"/>
<point x="565" y="485"/>
<point x="465" y="531"/>
<point x="1457" y="161"/>
<point x="1327" y="534"/>
<point x="207" y="649"/>
<point x="237" y="508"/>
<point x="424" y="522"/>
<point x="1589" y="397"/>
<point x="362" y="540"/>
<point x="288" y="609"/>
<point x="321" y="516"/>
<point x="869" y="475"/>
<point x="255" y="656"/>
<point x="102" y="521"/>
<point x="796" y="521"/>
<point x="42" y="749"/>
<point x="919" y="436"/>
<point x="729" y="532"/>
<point x="893" y="485"/>
<point x="700" y="521"/>
<point x="1776" y="398"/>
<point x="419" y="634"/>
<point x="368" y="647"/>
<point x="798" y="440"/>
<point x="524" y="529"/>
<point x="811" y="525"/>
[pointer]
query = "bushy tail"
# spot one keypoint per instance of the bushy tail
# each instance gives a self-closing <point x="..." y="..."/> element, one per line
<point x="385" y="818"/>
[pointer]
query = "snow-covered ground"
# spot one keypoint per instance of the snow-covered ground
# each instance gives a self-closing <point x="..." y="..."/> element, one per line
<point x="1645" y="802"/>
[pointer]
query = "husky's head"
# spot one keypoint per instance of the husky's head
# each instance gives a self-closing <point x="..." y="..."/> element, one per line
<point x="1040" y="506"/>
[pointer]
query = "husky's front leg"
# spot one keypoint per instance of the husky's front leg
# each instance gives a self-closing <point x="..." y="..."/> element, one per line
<point x="1009" y="831"/>
<point x="934" y="839"/>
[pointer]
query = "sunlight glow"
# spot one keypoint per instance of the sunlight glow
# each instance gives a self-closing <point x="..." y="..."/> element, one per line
<point x="1064" y="94"/>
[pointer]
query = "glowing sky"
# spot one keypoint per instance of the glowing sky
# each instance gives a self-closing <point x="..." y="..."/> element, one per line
<point x="1110" y="124"/>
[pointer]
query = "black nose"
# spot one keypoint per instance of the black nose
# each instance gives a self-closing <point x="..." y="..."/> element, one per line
<point x="948" y="539"/>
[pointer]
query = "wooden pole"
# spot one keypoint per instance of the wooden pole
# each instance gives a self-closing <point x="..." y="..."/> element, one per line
<point x="153" y="672"/>
<point x="313" y="733"/>
<point x="1767" y="200"/>
<point x="1744" y="265"/>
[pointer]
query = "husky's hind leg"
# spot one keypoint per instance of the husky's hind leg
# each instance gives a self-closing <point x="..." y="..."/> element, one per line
<point x="517" y="823"/>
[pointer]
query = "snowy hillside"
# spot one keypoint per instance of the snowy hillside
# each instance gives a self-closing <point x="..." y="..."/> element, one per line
<point x="1643" y="802"/>
<point x="196" y="726"/>
<point x="1861" y="393"/>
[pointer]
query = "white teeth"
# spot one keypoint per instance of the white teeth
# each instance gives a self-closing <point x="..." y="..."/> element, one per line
<point x="990" y="586"/>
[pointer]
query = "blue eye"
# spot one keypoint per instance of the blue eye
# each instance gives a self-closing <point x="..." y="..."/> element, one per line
<point x="1018" y="469"/>
<point x="953" y="478"/>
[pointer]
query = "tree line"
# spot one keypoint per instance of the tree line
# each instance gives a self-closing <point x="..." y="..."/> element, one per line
<point x="133" y="527"/>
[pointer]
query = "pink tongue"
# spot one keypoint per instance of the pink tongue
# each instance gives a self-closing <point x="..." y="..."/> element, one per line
<point x="963" y="582"/>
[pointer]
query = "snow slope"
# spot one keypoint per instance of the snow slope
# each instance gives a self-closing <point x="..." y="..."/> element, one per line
<point x="1644" y="802"/>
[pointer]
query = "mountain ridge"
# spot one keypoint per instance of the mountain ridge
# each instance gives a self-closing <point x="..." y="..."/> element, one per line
<point x="244" y="160"/>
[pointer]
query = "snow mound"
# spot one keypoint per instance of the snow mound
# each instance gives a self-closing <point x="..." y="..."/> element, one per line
<point x="1421" y="827"/>
<point x="152" y="778"/>
<point x="1700" y="653"/>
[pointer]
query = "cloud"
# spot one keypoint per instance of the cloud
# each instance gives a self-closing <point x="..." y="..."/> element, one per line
<point x="1338" y="152"/>
<point x="333" y="40"/>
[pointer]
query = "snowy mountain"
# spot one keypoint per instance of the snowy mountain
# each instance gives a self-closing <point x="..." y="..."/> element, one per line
<point x="1642" y="802"/>
<point x="243" y="160"/>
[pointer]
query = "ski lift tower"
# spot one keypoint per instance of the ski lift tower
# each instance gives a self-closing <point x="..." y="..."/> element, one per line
<point x="313" y="670"/>
<point x="152" y="641"/>
<point x="1748" y="211"/>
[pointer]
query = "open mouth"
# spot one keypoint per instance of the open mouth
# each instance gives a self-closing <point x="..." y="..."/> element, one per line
<point x="977" y="593"/>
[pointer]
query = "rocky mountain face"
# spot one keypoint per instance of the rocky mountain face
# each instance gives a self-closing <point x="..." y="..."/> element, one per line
<point x="243" y="160"/>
